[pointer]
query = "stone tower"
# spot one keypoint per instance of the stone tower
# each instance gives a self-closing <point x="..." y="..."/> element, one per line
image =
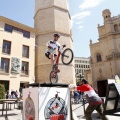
<point x="107" y="20"/>
<point x="52" y="16"/>
<point x="106" y="14"/>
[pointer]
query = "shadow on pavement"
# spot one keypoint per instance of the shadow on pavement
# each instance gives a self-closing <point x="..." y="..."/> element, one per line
<point x="81" y="116"/>
<point x="95" y="116"/>
<point x="6" y="118"/>
<point x="13" y="114"/>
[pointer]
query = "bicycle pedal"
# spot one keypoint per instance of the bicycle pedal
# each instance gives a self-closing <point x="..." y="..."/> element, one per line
<point x="57" y="71"/>
<point x="54" y="67"/>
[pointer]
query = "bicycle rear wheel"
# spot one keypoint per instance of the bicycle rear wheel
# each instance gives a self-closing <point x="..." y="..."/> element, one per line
<point x="67" y="56"/>
<point x="53" y="79"/>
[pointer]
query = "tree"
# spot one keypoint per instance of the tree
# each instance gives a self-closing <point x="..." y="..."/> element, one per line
<point x="2" y="91"/>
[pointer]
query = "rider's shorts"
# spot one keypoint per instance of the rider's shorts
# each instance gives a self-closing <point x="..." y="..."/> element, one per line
<point x="47" y="54"/>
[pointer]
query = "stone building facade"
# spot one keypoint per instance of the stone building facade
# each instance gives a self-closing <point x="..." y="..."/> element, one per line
<point x="81" y="64"/>
<point x="82" y="69"/>
<point x="52" y="16"/>
<point x="105" y="54"/>
<point x="17" y="48"/>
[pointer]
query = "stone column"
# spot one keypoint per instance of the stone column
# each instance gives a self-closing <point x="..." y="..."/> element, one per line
<point x="52" y="16"/>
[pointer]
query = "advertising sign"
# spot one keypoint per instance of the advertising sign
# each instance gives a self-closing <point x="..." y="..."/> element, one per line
<point x="30" y="104"/>
<point x="54" y="103"/>
<point x="46" y="103"/>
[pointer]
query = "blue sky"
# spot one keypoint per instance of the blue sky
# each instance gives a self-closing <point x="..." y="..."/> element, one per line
<point x="85" y="14"/>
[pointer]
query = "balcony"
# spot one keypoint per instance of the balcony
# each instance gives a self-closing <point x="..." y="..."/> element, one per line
<point x="6" y="50"/>
<point x="26" y="55"/>
<point x="4" y="70"/>
<point x="24" y="73"/>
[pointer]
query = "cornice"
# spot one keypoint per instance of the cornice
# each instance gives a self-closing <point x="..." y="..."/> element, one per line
<point x="109" y="34"/>
<point x="18" y="25"/>
<point x="57" y="7"/>
<point x="52" y="32"/>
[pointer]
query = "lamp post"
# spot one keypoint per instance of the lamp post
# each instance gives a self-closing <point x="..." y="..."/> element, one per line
<point x="76" y="75"/>
<point x="81" y="77"/>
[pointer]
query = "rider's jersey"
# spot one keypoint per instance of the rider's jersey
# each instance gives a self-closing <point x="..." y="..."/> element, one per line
<point x="51" y="46"/>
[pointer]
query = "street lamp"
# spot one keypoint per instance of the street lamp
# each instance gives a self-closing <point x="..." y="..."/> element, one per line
<point x="76" y="75"/>
<point x="81" y="77"/>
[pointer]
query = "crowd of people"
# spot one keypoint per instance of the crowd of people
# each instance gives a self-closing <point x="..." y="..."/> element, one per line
<point x="76" y="97"/>
<point x="12" y="95"/>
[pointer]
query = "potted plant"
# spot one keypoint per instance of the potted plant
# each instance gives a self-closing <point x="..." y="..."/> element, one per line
<point x="2" y="91"/>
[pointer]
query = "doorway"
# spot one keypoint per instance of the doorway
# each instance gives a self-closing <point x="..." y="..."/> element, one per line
<point x="5" y="83"/>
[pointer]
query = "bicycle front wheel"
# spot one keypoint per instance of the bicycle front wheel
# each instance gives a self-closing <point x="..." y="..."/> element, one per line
<point x="67" y="56"/>
<point x="53" y="77"/>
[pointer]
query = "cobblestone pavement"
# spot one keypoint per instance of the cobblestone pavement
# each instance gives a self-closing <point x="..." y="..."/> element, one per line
<point x="13" y="114"/>
<point x="78" y="113"/>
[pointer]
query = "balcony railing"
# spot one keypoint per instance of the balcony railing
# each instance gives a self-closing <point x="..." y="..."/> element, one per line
<point x="25" y="55"/>
<point x="24" y="72"/>
<point x="4" y="70"/>
<point x="6" y="50"/>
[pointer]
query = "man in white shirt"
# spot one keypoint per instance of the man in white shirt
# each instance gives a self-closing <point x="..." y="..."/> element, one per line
<point x="51" y="46"/>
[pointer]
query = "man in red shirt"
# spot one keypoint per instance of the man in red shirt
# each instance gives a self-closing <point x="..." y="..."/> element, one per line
<point x="95" y="102"/>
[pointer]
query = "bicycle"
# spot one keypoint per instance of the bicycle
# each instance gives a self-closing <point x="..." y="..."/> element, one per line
<point x="66" y="58"/>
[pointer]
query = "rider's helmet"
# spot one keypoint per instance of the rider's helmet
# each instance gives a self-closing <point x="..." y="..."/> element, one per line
<point x="57" y="35"/>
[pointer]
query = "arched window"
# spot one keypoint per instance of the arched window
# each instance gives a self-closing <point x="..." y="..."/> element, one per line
<point x="116" y="27"/>
<point x="98" y="57"/>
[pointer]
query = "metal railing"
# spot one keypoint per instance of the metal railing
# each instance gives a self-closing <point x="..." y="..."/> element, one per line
<point x="24" y="72"/>
<point x="6" y="50"/>
<point x="25" y="55"/>
<point x="4" y="70"/>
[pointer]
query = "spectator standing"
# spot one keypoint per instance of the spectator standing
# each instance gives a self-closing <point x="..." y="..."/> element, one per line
<point x="13" y="96"/>
<point x="7" y="94"/>
<point x="76" y="97"/>
<point x="16" y="94"/>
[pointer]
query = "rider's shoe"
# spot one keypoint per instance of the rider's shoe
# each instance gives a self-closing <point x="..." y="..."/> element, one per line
<point x="58" y="71"/>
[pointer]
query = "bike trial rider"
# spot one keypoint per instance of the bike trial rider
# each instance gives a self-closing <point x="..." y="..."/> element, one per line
<point x="51" y="47"/>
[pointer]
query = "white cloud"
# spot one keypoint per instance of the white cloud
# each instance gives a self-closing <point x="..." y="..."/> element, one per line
<point x="80" y="27"/>
<point x="90" y="3"/>
<point x="79" y="22"/>
<point x="79" y="16"/>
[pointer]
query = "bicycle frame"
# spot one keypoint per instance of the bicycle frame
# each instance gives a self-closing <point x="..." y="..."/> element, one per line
<point x="58" y="56"/>
<point x="55" y="70"/>
<point x="57" y="61"/>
